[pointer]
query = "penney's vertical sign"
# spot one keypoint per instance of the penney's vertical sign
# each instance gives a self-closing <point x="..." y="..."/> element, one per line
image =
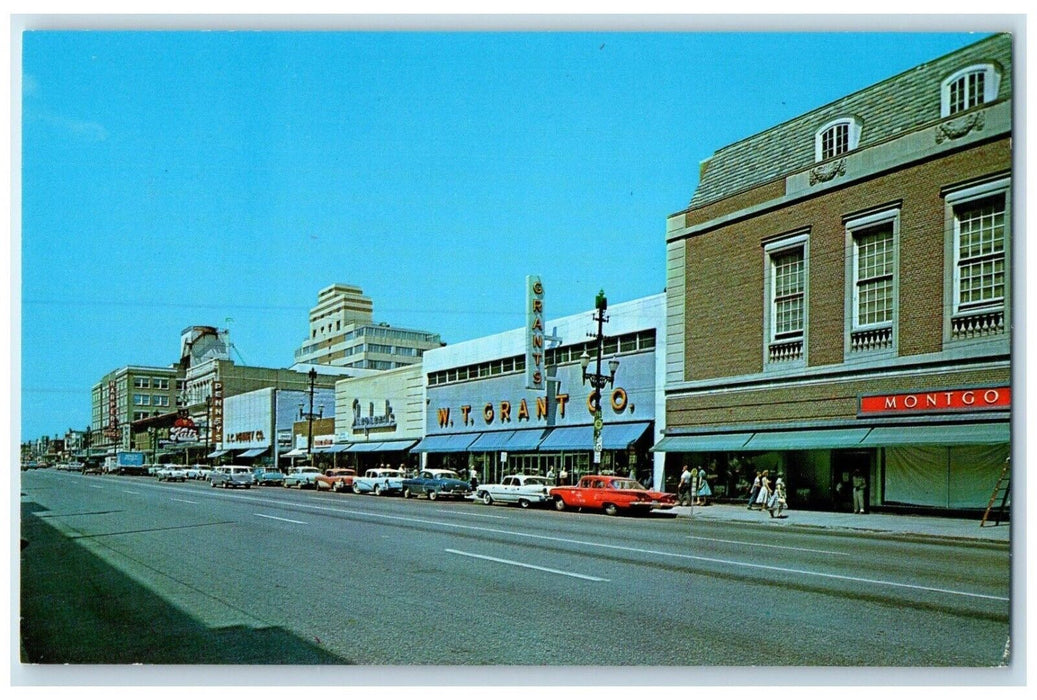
<point x="534" y="333"/>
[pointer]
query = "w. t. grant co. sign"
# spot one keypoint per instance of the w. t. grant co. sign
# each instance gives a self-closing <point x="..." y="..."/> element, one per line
<point x="942" y="401"/>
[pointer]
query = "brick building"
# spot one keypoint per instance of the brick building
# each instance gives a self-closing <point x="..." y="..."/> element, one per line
<point x="839" y="295"/>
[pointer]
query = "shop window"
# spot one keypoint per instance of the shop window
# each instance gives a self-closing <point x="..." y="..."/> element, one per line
<point x="786" y="293"/>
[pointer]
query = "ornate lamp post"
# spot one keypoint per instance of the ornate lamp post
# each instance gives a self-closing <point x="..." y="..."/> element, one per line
<point x="598" y="380"/>
<point x="309" y="435"/>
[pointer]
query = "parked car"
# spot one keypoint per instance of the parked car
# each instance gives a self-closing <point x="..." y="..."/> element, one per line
<point x="231" y="476"/>
<point x="335" y="480"/>
<point x="171" y="472"/>
<point x="611" y="494"/>
<point x="301" y="477"/>
<point x="436" y="483"/>
<point x="524" y="489"/>
<point x="267" y="476"/>
<point x="380" y="482"/>
<point x="197" y="471"/>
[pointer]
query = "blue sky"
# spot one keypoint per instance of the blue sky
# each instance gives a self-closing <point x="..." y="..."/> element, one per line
<point x="222" y="178"/>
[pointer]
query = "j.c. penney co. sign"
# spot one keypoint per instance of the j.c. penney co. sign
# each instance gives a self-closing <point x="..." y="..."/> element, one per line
<point x="952" y="400"/>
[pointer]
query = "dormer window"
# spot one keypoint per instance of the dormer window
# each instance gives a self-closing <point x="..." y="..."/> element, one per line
<point x="836" y="138"/>
<point x="968" y="88"/>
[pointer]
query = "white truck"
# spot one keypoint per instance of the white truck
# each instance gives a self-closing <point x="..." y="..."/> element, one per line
<point x="524" y="489"/>
<point x="380" y="482"/>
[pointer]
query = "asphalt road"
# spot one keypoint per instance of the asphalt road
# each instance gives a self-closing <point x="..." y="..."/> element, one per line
<point x="119" y="570"/>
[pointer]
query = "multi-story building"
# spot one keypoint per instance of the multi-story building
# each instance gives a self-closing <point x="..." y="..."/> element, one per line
<point x="343" y="333"/>
<point x="128" y="394"/>
<point x="839" y="295"/>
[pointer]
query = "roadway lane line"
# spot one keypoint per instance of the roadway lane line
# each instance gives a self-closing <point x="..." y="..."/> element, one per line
<point x="526" y="566"/>
<point x="479" y="515"/>
<point x="274" y="517"/>
<point x="772" y="546"/>
<point x="638" y="550"/>
<point x="135" y="493"/>
<point x="181" y="500"/>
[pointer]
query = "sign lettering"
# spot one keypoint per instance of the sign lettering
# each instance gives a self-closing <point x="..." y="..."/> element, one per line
<point x="994" y="398"/>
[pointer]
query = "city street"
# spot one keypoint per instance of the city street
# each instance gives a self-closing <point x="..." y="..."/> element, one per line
<point x="119" y="570"/>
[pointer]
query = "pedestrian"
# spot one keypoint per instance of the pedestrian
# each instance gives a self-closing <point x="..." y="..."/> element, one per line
<point x="551" y="476"/>
<point x="777" y="500"/>
<point x="859" y="485"/>
<point x="474" y="480"/>
<point x="704" y="492"/>
<point x="765" y="489"/>
<point x="755" y="491"/>
<point x="684" y="488"/>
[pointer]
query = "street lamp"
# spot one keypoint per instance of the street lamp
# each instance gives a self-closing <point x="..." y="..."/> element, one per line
<point x="598" y="380"/>
<point x="309" y="435"/>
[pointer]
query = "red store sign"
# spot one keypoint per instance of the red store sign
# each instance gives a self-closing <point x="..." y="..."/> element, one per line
<point x="995" y="398"/>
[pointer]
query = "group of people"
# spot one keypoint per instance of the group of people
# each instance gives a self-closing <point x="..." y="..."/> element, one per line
<point x="767" y="496"/>
<point x="693" y="487"/>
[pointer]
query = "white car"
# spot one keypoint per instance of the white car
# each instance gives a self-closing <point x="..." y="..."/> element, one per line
<point x="380" y="482"/>
<point x="197" y="471"/>
<point x="171" y="472"/>
<point x="524" y="489"/>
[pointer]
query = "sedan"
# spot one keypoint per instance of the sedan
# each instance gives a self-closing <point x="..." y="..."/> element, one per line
<point x="524" y="489"/>
<point x="171" y="473"/>
<point x="302" y="477"/>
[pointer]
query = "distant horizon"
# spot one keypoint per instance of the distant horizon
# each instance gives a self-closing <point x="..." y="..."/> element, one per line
<point x="171" y="179"/>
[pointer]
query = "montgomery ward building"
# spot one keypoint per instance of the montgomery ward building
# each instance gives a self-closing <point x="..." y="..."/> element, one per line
<point x="839" y="295"/>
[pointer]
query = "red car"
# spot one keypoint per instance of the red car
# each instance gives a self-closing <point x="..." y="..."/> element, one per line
<point x="611" y="494"/>
<point x="335" y="480"/>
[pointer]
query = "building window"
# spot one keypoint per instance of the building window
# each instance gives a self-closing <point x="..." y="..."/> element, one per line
<point x="157" y="400"/>
<point x="979" y="241"/>
<point x="836" y="138"/>
<point x="968" y="88"/>
<point x="786" y="290"/>
<point x="141" y="399"/>
<point x="141" y="382"/>
<point x="872" y="274"/>
<point x="160" y="383"/>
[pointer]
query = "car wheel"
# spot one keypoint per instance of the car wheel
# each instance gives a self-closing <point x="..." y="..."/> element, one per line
<point x="610" y="509"/>
<point x="433" y="495"/>
<point x="356" y="489"/>
<point x="559" y="503"/>
<point x="523" y="503"/>
<point x="212" y="483"/>
<point x="486" y="498"/>
<point x="406" y="493"/>
<point x="377" y="489"/>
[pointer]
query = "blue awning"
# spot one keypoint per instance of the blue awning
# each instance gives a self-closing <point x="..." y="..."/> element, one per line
<point x="446" y="443"/>
<point x="525" y="440"/>
<point x="297" y="452"/>
<point x="491" y="442"/>
<point x="254" y="453"/>
<point x="342" y="447"/>
<point x="366" y="447"/>
<point x="966" y="434"/>
<point x="397" y="445"/>
<point x="614" y="436"/>
<point x="217" y="453"/>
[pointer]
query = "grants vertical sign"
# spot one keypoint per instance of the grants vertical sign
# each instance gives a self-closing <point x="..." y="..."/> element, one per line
<point x="535" y="377"/>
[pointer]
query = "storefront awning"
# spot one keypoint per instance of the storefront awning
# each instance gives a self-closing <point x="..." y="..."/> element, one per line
<point x="614" y="436"/>
<point x="342" y="447"/>
<point x="968" y="434"/>
<point x="297" y="452"/>
<point x="365" y="447"/>
<point x="254" y="453"/>
<point x="724" y="442"/>
<point x="806" y="439"/>
<point x="491" y="442"/>
<point x="446" y="443"/>
<point x="525" y="440"/>
<point x="217" y="453"/>
<point x="397" y="445"/>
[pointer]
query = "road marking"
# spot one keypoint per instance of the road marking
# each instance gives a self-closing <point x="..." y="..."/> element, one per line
<point x="638" y="550"/>
<point x="773" y="546"/>
<point x="181" y="500"/>
<point x="480" y="515"/>
<point x="526" y="566"/>
<point x="95" y="487"/>
<point x="273" y="517"/>
<point x="135" y="493"/>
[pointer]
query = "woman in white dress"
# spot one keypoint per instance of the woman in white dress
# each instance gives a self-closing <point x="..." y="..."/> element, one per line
<point x="765" y="490"/>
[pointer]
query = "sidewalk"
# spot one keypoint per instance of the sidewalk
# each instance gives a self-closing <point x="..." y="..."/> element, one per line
<point x="876" y="523"/>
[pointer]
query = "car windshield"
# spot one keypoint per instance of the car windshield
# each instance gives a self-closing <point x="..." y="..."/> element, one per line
<point x="626" y="484"/>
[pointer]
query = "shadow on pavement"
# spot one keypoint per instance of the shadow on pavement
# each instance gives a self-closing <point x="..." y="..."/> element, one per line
<point x="76" y="609"/>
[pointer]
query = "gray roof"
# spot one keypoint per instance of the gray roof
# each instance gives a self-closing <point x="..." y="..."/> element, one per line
<point x="789" y="147"/>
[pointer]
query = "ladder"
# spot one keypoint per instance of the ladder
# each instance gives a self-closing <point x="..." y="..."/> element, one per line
<point x="1002" y="489"/>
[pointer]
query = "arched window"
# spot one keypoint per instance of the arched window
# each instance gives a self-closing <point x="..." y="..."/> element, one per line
<point x="836" y="138"/>
<point x="968" y="88"/>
